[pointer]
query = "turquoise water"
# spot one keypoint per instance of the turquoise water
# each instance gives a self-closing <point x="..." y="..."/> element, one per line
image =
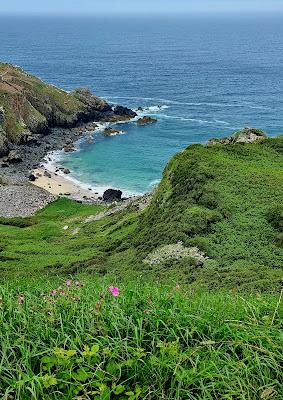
<point x="209" y="75"/>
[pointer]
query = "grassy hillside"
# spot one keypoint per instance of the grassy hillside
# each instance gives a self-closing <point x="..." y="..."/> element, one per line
<point x="224" y="200"/>
<point x="165" y="336"/>
<point x="227" y="201"/>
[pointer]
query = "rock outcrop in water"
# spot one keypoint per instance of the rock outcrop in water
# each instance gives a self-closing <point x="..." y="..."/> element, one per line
<point x="29" y="107"/>
<point x="146" y="120"/>
<point x="111" y="132"/>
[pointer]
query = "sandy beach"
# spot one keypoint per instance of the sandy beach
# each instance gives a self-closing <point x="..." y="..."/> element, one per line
<point x="58" y="185"/>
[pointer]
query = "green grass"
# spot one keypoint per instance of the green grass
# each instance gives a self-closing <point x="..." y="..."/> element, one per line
<point x="226" y="200"/>
<point x="157" y="340"/>
<point x="154" y="341"/>
<point x="37" y="244"/>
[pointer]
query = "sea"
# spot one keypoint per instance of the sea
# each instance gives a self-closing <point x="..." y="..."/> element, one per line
<point x="200" y="76"/>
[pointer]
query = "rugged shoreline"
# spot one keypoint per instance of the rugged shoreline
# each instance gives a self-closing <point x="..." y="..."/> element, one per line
<point x="37" y="118"/>
<point x="27" y="186"/>
<point x="33" y="155"/>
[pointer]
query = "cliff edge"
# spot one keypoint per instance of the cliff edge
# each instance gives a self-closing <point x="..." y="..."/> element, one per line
<point x="29" y="106"/>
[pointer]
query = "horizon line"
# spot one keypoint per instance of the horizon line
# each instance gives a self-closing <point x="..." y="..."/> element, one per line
<point x="143" y="14"/>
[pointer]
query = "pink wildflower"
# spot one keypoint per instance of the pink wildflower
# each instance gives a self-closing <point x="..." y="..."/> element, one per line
<point x="53" y="293"/>
<point x="62" y="292"/>
<point x="68" y="282"/>
<point x="114" y="291"/>
<point x="21" y="299"/>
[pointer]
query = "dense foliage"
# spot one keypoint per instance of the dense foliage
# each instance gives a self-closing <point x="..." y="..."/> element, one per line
<point x="226" y="200"/>
<point x="74" y="340"/>
<point x="159" y="334"/>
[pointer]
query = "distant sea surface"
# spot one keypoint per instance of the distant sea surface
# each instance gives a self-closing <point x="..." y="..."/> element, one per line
<point x="201" y="77"/>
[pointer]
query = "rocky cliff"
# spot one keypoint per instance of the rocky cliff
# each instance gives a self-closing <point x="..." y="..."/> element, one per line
<point x="28" y="107"/>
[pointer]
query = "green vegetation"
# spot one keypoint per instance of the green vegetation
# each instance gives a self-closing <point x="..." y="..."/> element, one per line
<point x="41" y="244"/>
<point x="224" y="200"/>
<point x="227" y="201"/>
<point x="154" y="341"/>
<point x="179" y="329"/>
<point x="29" y="106"/>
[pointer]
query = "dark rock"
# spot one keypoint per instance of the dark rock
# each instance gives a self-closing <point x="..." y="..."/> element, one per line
<point x="14" y="157"/>
<point x="32" y="177"/>
<point x="46" y="173"/>
<point x="2" y="115"/>
<point x="124" y="111"/>
<point x="146" y="120"/>
<point x="90" y="140"/>
<point x="4" y="145"/>
<point x="91" y="127"/>
<point x="68" y="148"/>
<point x="111" y="132"/>
<point x="111" y="195"/>
<point x="66" y="171"/>
<point x="29" y="140"/>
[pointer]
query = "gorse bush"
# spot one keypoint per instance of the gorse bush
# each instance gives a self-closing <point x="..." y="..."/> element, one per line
<point x="17" y="221"/>
<point x="275" y="217"/>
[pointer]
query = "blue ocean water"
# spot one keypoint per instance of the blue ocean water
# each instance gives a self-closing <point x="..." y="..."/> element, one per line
<point x="209" y="75"/>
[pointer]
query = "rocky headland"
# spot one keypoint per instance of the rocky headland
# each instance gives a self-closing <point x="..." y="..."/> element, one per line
<point x="37" y="118"/>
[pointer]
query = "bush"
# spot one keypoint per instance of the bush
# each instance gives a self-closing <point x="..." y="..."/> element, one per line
<point x="18" y="221"/>
<point x="275" y="217"/>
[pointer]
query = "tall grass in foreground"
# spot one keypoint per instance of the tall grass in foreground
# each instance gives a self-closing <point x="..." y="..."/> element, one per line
<point x="70" y="341"/>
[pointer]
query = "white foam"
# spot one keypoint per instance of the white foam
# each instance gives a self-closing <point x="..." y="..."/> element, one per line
<point x="198" y="120"/>
<point x="53" y="163"/>
<point x="154" y="183"/>
<point x="197" y="104"/>
<point x="155" y="108"/>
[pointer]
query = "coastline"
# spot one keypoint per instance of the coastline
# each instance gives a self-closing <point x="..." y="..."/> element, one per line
<point x="34" y="179"/>
<point x="50" y="176"/>
<point x="58" y="185"/>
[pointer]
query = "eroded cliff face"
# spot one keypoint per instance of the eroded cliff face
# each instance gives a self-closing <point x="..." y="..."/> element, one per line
<point x="28" y="106"/>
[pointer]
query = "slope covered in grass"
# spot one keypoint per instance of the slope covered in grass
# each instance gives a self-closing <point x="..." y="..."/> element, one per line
<point x="224" y="200"/>
<point x="227" y="201"/>
<point x="59" y="239"/>
<point x="166" y="336"/>
<point x="155" y="341"/>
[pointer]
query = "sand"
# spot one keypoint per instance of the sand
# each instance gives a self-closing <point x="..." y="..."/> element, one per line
<point x="59" y="185"/>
